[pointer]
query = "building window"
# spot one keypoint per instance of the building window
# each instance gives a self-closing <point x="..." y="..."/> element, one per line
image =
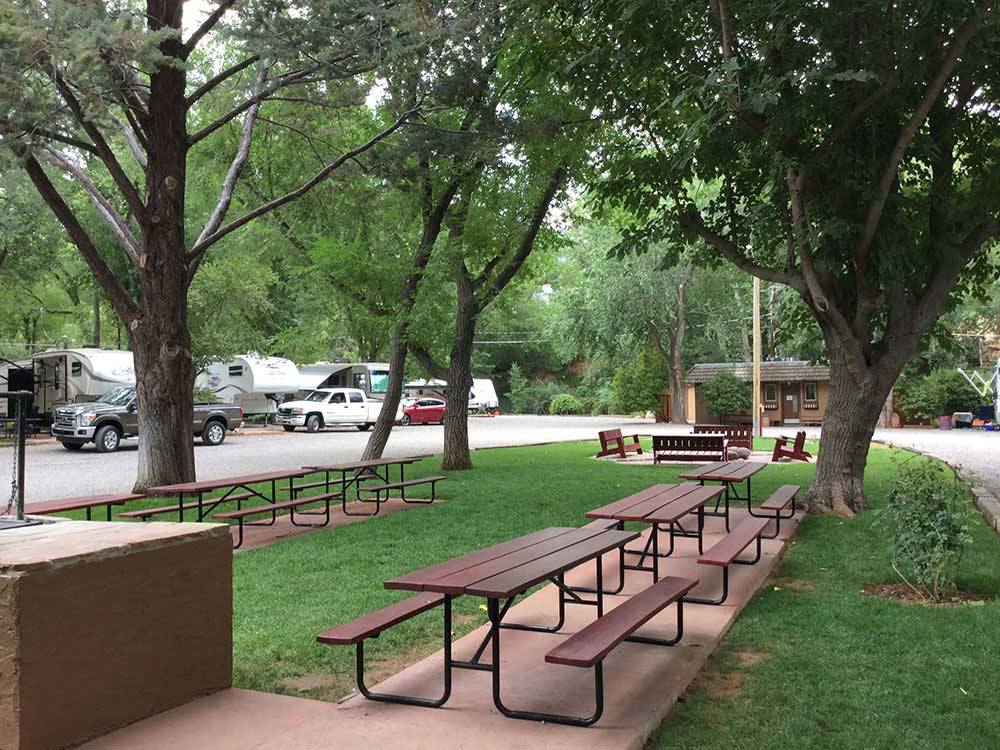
<point x="771" y="393"/>
<point x="811" y="393"/>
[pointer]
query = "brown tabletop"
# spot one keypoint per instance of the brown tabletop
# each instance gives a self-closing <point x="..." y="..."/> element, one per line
<point x="368" y="464"/>
<point x="510" y="568"/>
<point x="191" y="488"/>
<point x="80" y="503"/>
<point x="726" y="471"/>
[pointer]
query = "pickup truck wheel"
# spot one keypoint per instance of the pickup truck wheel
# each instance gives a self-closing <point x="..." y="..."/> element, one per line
<point x="108" y="439"/>
<point x="313" y="423"/>
<point x="214" y="433"/>
<point x="365" y="427"/>
<point x="288" y="427"/>
<point x="405" y="420"/>
<point x="72" y="446"/>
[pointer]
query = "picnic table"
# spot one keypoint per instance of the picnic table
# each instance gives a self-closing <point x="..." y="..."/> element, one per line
<point x="659" y="505"/>
<point x="80" y="503"/>
<point x="357" y="472"/>
<point x="730" y="474"/>
<point x="499" y="574"/>
<point x="237" y="489"/>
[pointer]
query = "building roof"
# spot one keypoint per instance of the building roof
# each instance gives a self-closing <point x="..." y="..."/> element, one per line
<point x="772" y="371"/>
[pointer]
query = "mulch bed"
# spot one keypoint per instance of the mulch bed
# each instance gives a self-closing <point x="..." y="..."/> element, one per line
<point x="900" y="592"/>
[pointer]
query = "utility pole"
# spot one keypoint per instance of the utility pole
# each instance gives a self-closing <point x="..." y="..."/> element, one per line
<point x="757" y="426"/>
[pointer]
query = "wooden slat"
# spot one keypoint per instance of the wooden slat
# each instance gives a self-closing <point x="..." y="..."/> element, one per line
<point x="78" y="503"/>
<point x="401" y="485"/>
<point x="188" y="488"/>
<point x="459" y="581"/>
<point x="781" y="497"/>
<point x="640" y="511"/>
<point x="740" y="473"/>
<point x="525" y="576"/>
<point x="369" y="464"/>
<point x="591" y="644"/>
<point x="375" y="622"/>
<point x="415" y="581"/>
<point x="680" y="508"/>
<point x="734" y="542"/>
<point x="609" y="510"/>
<point x="703" y="470"/>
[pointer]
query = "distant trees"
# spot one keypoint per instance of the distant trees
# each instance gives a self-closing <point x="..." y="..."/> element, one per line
<point x="726" y="394"/>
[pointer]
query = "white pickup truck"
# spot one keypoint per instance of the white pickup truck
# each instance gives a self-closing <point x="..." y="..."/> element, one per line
<point x="329" y="407"/>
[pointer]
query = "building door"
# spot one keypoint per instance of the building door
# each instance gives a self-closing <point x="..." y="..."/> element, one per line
<point x="790" y="403"/>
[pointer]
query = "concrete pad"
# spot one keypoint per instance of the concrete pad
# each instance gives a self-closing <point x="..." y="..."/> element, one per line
<point x="642" y="682"/>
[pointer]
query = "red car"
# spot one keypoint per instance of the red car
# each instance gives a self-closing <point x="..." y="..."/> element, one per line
<point x="424" y="411"/>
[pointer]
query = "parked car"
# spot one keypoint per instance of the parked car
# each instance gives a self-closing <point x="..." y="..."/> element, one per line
<point x="424" y="411"/>
<point x="329" y="407"/>
<point x="114" y="417"/>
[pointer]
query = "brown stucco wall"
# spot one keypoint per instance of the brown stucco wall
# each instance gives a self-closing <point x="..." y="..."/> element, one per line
<point x="774" y="415"/>
<point x="108" y="634"/>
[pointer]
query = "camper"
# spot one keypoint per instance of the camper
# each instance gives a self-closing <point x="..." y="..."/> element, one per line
<point x="482" y="396"/>
<point x="258" y="384"/>
<point x="370" y="377"/>
<point x="69" y="376"/>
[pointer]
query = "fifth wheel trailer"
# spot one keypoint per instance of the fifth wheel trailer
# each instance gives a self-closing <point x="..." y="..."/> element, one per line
<point x="257" y="384"/>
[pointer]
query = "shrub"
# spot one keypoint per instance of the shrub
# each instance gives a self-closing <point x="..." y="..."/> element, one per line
<point x="926" y="520"/>
<point x="530" y="397"/>
<point x="726" y="394"/>
<point x="567" y="403"/>
<point x="940" y="393"/>
<point x="205" y="396"/>
<point x="637" y="386"/>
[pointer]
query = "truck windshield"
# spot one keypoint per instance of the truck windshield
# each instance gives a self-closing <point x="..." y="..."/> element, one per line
<point x="120" y="396"/>
<point x="379" y="380"/>
<point x="317" y="396"/>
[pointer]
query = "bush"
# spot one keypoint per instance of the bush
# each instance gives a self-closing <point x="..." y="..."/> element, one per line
<point x="926" y="520"/>
<point x="726" y="394"/>
<point x="205" y="396"/>
<point x="567" y="403"/>
<point x="941" y="393"/>
<point x="530" y="397"/>
<point x="637" y="386"/>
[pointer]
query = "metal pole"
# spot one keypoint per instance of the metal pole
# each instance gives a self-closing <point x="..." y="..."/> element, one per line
<point x="21" y="434"/>
<point x="756" y="416"/>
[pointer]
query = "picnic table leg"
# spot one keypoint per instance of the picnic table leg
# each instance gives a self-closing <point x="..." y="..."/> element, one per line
<point x="108" y="508"/>
<point x="88" y="514"/>
<point x="621" y="574"/>
<point x="402" y="490"/>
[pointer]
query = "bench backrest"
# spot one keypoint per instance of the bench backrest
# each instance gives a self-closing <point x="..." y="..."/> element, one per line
<point x="800" y="441"/>
<point x="607" y="437"/>
<point x="689" y="442"/>
<point x="740" y="435"/>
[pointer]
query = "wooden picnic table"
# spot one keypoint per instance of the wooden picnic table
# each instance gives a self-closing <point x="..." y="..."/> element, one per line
<point x="659" y="505"/>
<point x="80" y="503"/>
<point x="729" y="474"/>
<point x="231" y="485"/>
<point x="503" y="572"/>
<point x="357" y="472"/>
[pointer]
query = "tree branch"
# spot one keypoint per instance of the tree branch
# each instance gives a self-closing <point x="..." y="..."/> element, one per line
<point x="52" y="135"/>
<point x="206" y="26"/>
<point x="428" y="363"/>
<point x="214" y="81"/>
<point x="132" y="139"/>
<point x="201" y="246"/>
<point x="852" y="118"/>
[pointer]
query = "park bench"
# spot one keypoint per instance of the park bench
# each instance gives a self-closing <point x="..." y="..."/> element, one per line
<point x="242" y="514"/>
<point x="726" y="551"/>
<point x="613" y="444"/>
<point x="778" y="502"/>
<point x="146" y="513"/>
<point x="797" y="452"/>
<point x="690" y="448"/>
<point x="740" y="435"/>
<point x="371" y="625"/>
<point x="80" y="503"/>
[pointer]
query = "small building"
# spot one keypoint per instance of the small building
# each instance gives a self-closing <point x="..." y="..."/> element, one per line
<point x="791" y="391"/>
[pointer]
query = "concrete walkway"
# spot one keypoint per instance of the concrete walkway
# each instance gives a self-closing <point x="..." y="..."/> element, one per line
<point x="642" y="682"/>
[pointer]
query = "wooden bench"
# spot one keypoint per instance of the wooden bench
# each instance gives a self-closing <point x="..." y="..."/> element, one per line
<point x="739" y="435"/>
<point x="206" y="506"/>
<point x="796" y="453"/>
<point x="401" y="486"/>
<point x="613" y="444"/>
<point x="589" y="646"/>
<point x="690" y="448"/>
<point x="724" y="553"/>
<point x="80" y="503"/>
<point x="242" y="514"/>
<point x="371" y="625"/>
<point x="778" y="502"/>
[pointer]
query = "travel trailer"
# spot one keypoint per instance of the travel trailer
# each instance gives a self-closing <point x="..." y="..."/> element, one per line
<point x="370" y="377"/>
<point x="482" y="396"/>
<point x="257" y="384"/>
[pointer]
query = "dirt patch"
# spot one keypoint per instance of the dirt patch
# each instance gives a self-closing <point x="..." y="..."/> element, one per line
<point x="900" y="592"/>
<point x="719" y="685"/>
<point x="792" y="584"/>
<point x="749" y="658"/>
<point x="309" y="682"/>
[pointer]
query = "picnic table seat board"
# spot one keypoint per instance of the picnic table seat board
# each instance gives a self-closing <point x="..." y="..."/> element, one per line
<point x="242" y="514"/>
<point x="87" y="504"/>
<point x="690" y="448"/>
<point x="613" y="444"/>
<point x="774" y="506"/>
<point x="401" y="486"/>
<point x="796" y="452"/>
<point x="147" y="513"/>
<point x="726" y="551"/>
<point x="739" y="435"/>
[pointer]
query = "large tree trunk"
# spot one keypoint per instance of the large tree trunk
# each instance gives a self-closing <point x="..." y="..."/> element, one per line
<point x="848" y="424"/>
<point x="394" y="391"/>
<point x="456" y="421"/>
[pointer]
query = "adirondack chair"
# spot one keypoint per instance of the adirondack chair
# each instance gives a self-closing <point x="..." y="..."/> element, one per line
<point x="796" y="452"/>
<point x="613" y="444"/>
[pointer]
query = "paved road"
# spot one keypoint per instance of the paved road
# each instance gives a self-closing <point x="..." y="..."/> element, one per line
<point x="53" y="472"/>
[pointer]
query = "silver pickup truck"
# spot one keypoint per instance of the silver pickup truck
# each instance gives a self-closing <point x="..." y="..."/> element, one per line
<point x="113" y="417"/>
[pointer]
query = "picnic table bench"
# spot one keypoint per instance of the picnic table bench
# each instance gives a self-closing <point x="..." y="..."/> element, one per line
<point x="690" y="448"/>
<point x="613" y="444"/>
<point x="88" y="503"/>
<point x="356" y="473"/>
<point x="796" y="452"/>
<point x="739" y="435"/>
<point x="500" y="574"/>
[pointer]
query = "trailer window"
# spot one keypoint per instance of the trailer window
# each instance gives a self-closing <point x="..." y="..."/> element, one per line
<point x="76" y="368"/>
<point x="380" y="381"/>
<point x="236" y="371"/>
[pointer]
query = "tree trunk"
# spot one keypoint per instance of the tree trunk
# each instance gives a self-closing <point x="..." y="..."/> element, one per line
<point x="675" y="369"/>
<point x="848" y="423"/>
<point x="456" y="422"/>
<point x="394" y="391"/>
<point x="97" y="316"/>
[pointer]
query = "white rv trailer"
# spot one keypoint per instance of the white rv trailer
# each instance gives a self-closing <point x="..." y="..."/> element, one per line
<point x="370" y="377"/>
<point x="257" y="384"/>
<point x="482" y="395"/>
<point x="67" y="376"/>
